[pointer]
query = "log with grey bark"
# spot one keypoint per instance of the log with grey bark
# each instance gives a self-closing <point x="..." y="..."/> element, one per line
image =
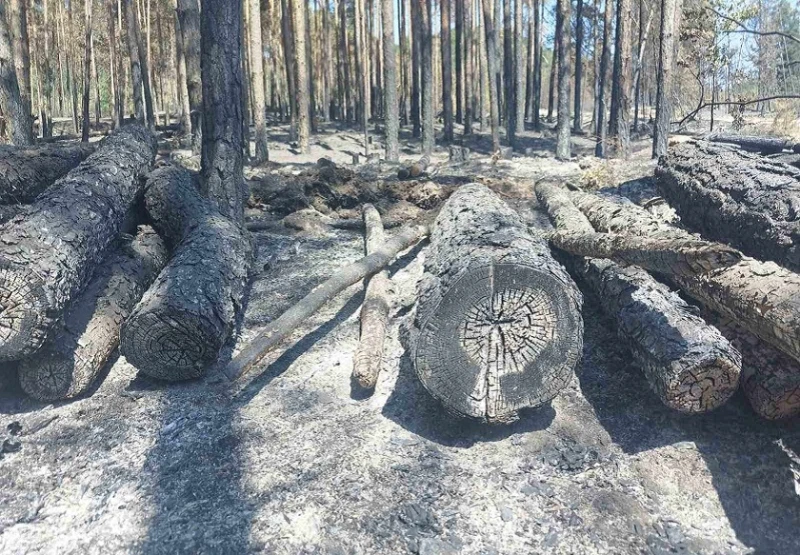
<point x="753" y="143"/>
<point x="762" y="297"/>
<point x="71" y="360"/>
<point x="27" y="171"/>
<point x="49" y="256"/>
<point x="374" y="310"/>
<point x="772" y="385"/>
<point x="688" y="364"/>
<point x="744" y="199"/>
<point x="498" y="325"/>
<point x="178" y="328"/>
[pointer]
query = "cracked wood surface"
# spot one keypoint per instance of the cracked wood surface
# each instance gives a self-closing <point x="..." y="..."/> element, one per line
<point x="498" y="325"/>
<point x="178" y="328"/>
<point x="48" y="256"/>
<point x="25" y="172"/>
<point x="688" y="363"/>
<point x="85" y="339"/>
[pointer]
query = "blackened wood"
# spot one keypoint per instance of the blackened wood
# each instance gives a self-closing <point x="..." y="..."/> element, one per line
<point x="46" y="259"/>
<point x="178" y="328"/>
<point x="753" y="143"/>
<point x="498" y="325"/>
<point x="689" y="365"/>
<point x="27" y="171"/>
<point x="737" y="197"/>
<point x="85" y="339"/>
<point x="374" y="310"/>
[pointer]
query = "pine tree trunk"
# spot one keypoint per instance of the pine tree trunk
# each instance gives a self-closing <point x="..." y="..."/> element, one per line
<point x="537" y="64"/>
<point x="519" y="69"/>
<point x="22" y="60"/>
<point x="344" y="60"/>
<point x="113" y="59"/>
<point x="11" y="101"/>
<point x="301" y="75"/>
<point x="577" y="125"/>
<point x="551" y="94"/>
<point x="416" y="62"/>
<point x="459" y="47"/>
<point x="664" y="77"/>
<point x="87" y="64"/>
<point x="257" y="83"/>
<point x="221" y="160"/>
<point x="176" y="332"/>
<point x="447" y="72"/>
<point x="620" y="98"/>
<point x="189" y="17"/>
<point x="136" y="64"/>
<point x="49" y="256"/>
<point x="563" y="146"/>
<point x="498" y="325"/>
<point x="391" y="108"/>
<point x="82" y="343"/>
<point x="183" y="86"/>
<point x="426" y="75"/>
<point x="509" y="100"/>
<point x="491" y="71"/>
<point x="469" y="87"/>
<point x="605" y="61"/>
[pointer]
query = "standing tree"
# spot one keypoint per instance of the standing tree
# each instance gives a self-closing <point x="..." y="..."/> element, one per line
<point x="621" y="83"/>
<point x="87" y="71"/>
<point x="605" y="62"/>
<point x="301" y="75"/>
<point x="10" y="99"/>
<point x="537" y="64"/>
<point x="447" y="72"/>
<point x="577" y="126"/>
<point x="189" y="17"/>
<point x="391" y="108"/>
<point x="563" y="148"/>
<point x="22" y="60"/>
<point x="664" y="77"/>
<point x="519" y="69"/>
<point x="426" y="75"/>
<point x="491" y="64"/>
<point x="508" y="72"/>
<point x="257" y="83"/>
<point x="222" y="178"/>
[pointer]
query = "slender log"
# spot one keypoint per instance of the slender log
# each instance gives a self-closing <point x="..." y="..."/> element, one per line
<point x="737" y="197"/>
<point x="47" y="259"/>
<point x="279" y="329"/>
<point x="414" y="170"/>
<point x="498" y="325"/>
<point x="178" y="328"/>
<point x="374" y="311"/>
<point x="27" y="171"/>
<point x="762" y="297"/>
<point x="671" y="257"/>
<point x="82" y="343"/>
<point x="689" y="365"/>
<point x="751" y="143"/>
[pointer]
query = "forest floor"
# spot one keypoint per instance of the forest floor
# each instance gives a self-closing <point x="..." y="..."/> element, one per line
<point x="295" y="460"/>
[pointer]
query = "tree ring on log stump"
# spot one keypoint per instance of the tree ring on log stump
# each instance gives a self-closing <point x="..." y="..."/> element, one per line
<point x="170" y="348"/>
<point x="23" y="312"/>
<point x="52" y="378"/>
<point x="502" y="337"/>
<point x="704" y="387"/>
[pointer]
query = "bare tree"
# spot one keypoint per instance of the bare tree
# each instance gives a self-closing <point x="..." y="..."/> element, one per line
<point x="257" y="83"/>
<point x="577" y="125"/>
<point x="189" y="18"/>
<point x="426" y="63"/>
<point x="221" y="59"/>
<point x="563" y="148"/>
<point x="537" y="64"/>
<point x="10" y="99"/>
<point x="664" y="77"/>
<point x="391" y="107"/>
<point x="447" y="72"/>
<point x="22" y="60"/>
<point x="87" y="70"/>
<point x="605" y="62"/>
<point x="620" y="98"/>
<point x="301" y="67"/>
<point x="491" y="64"/>
<point x="519" y="69"/>
<point x="508" y="72"/>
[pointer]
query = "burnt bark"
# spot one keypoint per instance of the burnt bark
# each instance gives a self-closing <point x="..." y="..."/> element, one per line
<point x="447" y="71"/>
<point x="733" y="196"/>
<point x="50" y="256"/>
<point x="689" y="365"/>
<point x="498" y="325"/>
<point x="85" y="339"/>
<point x="491" y="65"/>
<point x="754" y="143"/>
<point x="605" y="62"/>
<point x="25" y="172"/>
<point x="178" y="328"/>
<point x="257" y="83"/>
<point x="771" y="383"/>
<point x="374" y="310"/>
<point x="391" y="106"/>
<point x="426" y="74"/>
<point x="664" y="77"/>
<point x="563" y="146"/>
<point x="577" y="125"/>
<point x="11" y="101"/>
<point x="189" y="17"/>
<point x="762" y="297"/>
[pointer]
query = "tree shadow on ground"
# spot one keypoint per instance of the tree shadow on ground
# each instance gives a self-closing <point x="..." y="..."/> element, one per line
<point x="750" y="471"/>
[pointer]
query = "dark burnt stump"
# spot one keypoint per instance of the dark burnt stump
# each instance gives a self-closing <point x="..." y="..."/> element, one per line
<point x="498" y="324"/>
<point x="50" y="255"/>
<point x="178" y="328"/>
<point x="82" y="343"/>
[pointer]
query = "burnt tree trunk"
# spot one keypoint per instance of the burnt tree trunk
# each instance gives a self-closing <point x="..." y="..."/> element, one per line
<point x="762" y="297"/>
<point x="577" y="112"/>
<point x="563" y="146"/>
<point x="390" y="105"/>
<point x="178" y="328"/>
<point x="26" y="172"/>
<point x="82" y="343"/>
<point x="664" y="77"/>
<point x="498" y="325"/>
<point x="374" y="310"/>
<point x="11" y="100"/>
<point x="189" y="17"/>
<point x="742" y="198"/>
<point x="49" y="257"/>
<point x="491" y="64"/>
<point x="688" y="364"/>
<point x="605" y="62"/>
<point x="447" y="71"/>
<point x="223" y="143"/>
<point x="751" y="143"/>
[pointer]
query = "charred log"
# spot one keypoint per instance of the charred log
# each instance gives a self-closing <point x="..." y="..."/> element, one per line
<point x="82" y="343"/>
<point x="688" y="364"/>
<point x="374" y="311"/>
<point x="498" y="325"/>
<point x="416" y="169"/>
<point x="47" y="258"/>
<point x="733" y="196"/>
<point x="178" y="328"/>
<point x="753" y="143"/>
<point x="27" y="171"/>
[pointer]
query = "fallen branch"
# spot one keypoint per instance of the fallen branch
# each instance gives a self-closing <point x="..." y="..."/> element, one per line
<point x="415" y="169"/>
<point x="279" y="329"/>
<point x="374" y="311"/>
<point x="733" y="103"/>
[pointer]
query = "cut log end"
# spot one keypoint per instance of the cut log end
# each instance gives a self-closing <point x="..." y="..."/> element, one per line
<point x="171" y="347"/>
<point x="502" y="338"/>
<point x="774" y="393"/>
<point x="50" y="379"/>
<point x="703" y="387"/>
<point x="23" y="312"/>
